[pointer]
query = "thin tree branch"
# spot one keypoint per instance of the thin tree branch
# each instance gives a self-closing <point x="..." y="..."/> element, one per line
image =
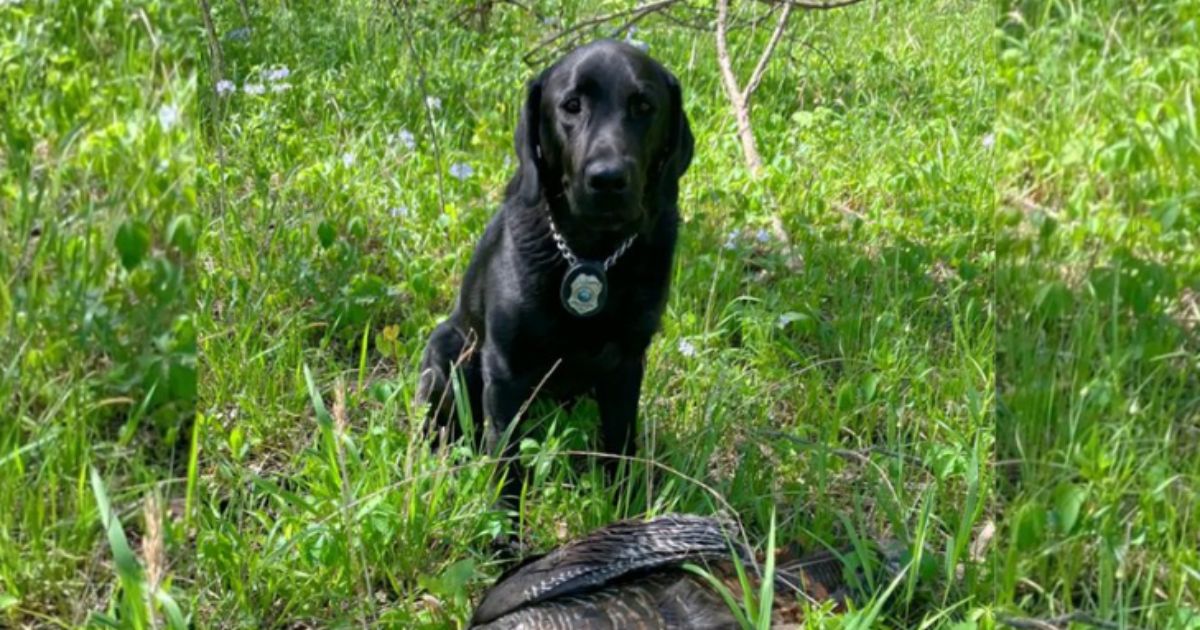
<point x="765" y="58"/>
<point x="544" y="47"/>
<point x="737" y="98"/>
<point x="815" y="5"/>
<point x="723" y="62"/>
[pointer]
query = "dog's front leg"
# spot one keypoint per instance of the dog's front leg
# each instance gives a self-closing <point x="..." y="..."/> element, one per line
<point x="504" y="392"/>
<point x="617" y="396"/>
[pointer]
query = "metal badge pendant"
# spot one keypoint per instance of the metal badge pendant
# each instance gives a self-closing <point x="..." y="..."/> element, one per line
<point x="584" y="288"/>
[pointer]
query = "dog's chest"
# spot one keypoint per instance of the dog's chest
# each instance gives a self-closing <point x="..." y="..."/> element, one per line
<point x="587" y="347"/>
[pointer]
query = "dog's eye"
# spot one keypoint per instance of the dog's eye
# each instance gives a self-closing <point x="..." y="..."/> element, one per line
<point x="572" y="105"/>
<point x="642" y="106"/>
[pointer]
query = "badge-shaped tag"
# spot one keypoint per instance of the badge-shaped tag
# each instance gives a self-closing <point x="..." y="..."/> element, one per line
<point x="584" y="289"/>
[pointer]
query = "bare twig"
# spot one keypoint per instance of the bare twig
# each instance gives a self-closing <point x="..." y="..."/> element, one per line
<point x="741" y="112"/>
<point x="761" y="67"/>
<point x="814" y="5"/>
<point x="551" y="44"/>
<point x="740" y="97"/>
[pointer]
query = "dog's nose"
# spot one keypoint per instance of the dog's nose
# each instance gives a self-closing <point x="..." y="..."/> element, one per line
<point x="606" y="177"/>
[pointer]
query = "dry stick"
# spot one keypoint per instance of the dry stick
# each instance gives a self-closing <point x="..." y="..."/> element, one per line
<point x="433" y="134"/>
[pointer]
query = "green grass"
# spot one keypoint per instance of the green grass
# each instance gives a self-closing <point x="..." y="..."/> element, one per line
<point x="1096" y="289"/>
<point x="222" y="314"/>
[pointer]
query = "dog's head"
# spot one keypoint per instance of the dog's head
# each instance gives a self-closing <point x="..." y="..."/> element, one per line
<point x="604" y="138"/>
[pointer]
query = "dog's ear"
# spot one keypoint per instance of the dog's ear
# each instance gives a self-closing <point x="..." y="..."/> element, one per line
<point x="526" y="185"/>
<point x="679" y="146"/>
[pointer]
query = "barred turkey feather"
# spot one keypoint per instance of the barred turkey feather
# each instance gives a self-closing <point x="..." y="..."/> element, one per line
<point x="606" y="555"/>
<point x="630" y="575"/>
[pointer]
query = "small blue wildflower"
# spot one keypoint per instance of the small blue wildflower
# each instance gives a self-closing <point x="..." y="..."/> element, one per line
<point x="168" y="115"/>
<point x="238" y="34"/>
<point x="404" y="137"/>
<point x="731" y="241"/>
<point x="278" y="74"/>
<point x="461" y="170"/>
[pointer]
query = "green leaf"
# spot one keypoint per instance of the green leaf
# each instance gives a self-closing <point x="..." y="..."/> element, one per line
<point x="8" y="601"/>
<point x="1068" y="503"/>
<point x="357" y="228"/>
<point x="181" y="233"/>
<point x="451" y="585"/>
<point x="129" y="570"/>
<point x="181" y="378"/>
<point x="1031" y="526"/>
<point x="326" y="234"/>
<point x="133" y="242"/>
<point x="171" y="611"/>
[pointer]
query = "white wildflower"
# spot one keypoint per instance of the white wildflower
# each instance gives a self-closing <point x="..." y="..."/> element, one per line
<point x="280" y="87"/>
<point x="254" y="89"/>
<point x="433" y="102"/>
<point x="686" y="348"/>
<point x="988" y="141"/>
<point x="168" y="115"/>
<point x="225" y="86"/>
<point x="278" y="74"/>
<point x="347" y="159"/>
<point x="763" y="236"/>
<point x="404" y="137"/>
<point x="731" y="241"/>
<point x="461" y="170"/>
<point x="399" y="212"/>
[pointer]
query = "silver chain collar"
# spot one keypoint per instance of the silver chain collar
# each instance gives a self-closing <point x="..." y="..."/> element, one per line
<point x="570" y="256"/>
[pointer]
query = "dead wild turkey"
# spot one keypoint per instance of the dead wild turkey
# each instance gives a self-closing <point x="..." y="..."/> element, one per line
<point x="630" y="575"/>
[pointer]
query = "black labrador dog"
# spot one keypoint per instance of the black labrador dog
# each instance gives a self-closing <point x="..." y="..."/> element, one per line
<point x="570" y="279"/>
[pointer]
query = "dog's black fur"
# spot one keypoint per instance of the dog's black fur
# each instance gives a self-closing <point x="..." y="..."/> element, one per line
<point x="602" y="142"/>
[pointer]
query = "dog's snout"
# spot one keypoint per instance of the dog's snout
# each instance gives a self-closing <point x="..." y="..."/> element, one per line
<point x="608" y="176"/>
